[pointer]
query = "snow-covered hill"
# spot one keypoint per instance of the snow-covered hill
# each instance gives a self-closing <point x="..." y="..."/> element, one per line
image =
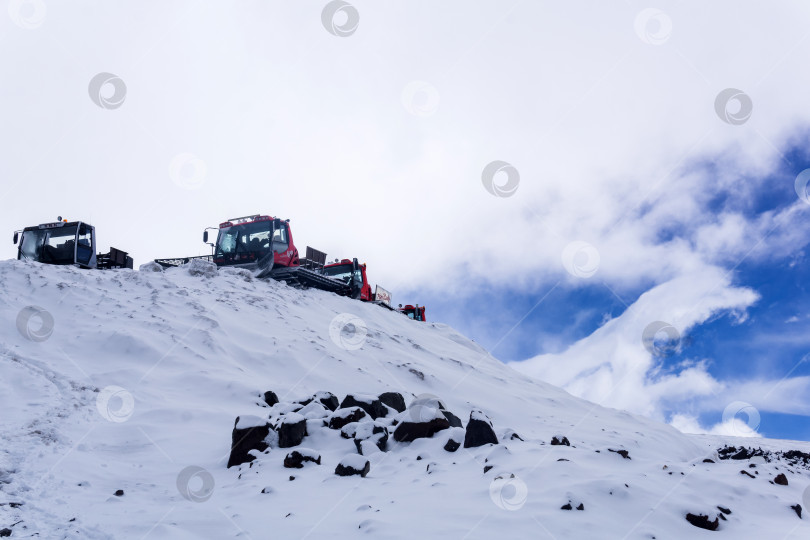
<point x="132" y="381"/>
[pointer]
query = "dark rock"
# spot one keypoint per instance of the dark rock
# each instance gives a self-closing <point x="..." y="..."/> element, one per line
<point x="798" y="509"/>
<point x="328" y="400"/>
<point x="702" y="522"/>
<point x="487" y="468"/>
<point x="707" y="460"/>
<point x="781" y="479"/>
<point x="567" y="506"/>
<point x="119" y="493"/>
<point x="246" y="439"/>
<point x="555" y="441"/>
<point x="747" y="474"/>
<point x="349" y="470"/>
<point x="393" y="400"/>
<point x="292" y="478"/>
<point x="513" y="436"/>
<point x="724" y="510"/>
<point x="454" y="420"/>
<point x="378" y="435"/>
<point x="451" y="445"/>
<point x="410" y="431"/>
<point x="479" y="431"/>
<point x="291" y="431"/>
<point x="270" y="398"/>
<point x="338" y="420"/>
<point x="267" y="489"/>
<point x="731" y="452"/>
<point x="581" y="506"/>
<point x="295" y="460"/>
<point x="563" y="459"/>
<point x="5" y="532"/>
<point x="374" y="409"/>
<point x="624" y="453"/>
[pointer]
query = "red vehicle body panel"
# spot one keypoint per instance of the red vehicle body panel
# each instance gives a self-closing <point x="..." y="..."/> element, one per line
<point x="365" y="294"/>
<point x="287" y="258"/>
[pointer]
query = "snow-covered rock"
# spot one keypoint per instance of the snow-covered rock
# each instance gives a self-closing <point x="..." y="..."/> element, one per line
<point x="353" y="465"/>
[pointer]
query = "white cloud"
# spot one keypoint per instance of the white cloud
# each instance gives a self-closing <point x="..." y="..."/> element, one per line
<point x="732" y="427"/>
<point x="613" y="367"/>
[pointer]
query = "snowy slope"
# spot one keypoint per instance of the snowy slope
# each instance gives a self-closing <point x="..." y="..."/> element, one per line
<point x="144" y="373"/>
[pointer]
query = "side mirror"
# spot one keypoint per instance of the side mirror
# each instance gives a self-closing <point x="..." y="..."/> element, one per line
<point x="205" y="236"/>
<point x="16" y="237"/>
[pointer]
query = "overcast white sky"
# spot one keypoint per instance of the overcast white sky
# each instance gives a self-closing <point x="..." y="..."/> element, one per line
<point x="374" y="143"/>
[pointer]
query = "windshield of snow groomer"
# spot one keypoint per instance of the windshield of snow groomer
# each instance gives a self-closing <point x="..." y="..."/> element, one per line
<point x="244" y="238"/>
<point x="52" y="246"/>
<point x="343" y="272"/>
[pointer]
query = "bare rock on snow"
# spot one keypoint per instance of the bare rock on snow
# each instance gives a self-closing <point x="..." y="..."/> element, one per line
<point x="702" y="522"/>
<point x="341" y="417"/>
<point x="798" y="509"/>
<point x="408" y="431"/>
<point x="454" y="440"/>
<point x="270" y="398"/>
<point x="393" y="400"/>
<point x="624" y="453"/>
<point x="781" y="479"/>
<point x="291" y="430"/>
<point x="454" y="420"/>
<point x="479" y="431"/>
<point x="372" y="433"/>
<point x="327" y="399"/>
<point x="560" y="440"/>
<point x="249" y="433"/>
<point x="296" y="458"/>
<point x="353" y="465"/>
<point x="372" y="405"/>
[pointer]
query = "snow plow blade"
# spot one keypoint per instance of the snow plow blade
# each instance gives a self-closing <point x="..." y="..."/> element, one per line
<point x="180" y="261"/>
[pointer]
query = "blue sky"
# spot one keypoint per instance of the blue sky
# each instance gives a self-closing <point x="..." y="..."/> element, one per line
<point x="772" y="341"/>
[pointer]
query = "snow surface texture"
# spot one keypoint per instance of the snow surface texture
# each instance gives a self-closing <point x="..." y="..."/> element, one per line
<point x="132" y="381"/>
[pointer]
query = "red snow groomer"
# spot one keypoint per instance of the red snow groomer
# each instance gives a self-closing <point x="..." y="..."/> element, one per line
<point x="346" y="270"/>
<point x="416" y="312"/>
<point x="264" y="245"/>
